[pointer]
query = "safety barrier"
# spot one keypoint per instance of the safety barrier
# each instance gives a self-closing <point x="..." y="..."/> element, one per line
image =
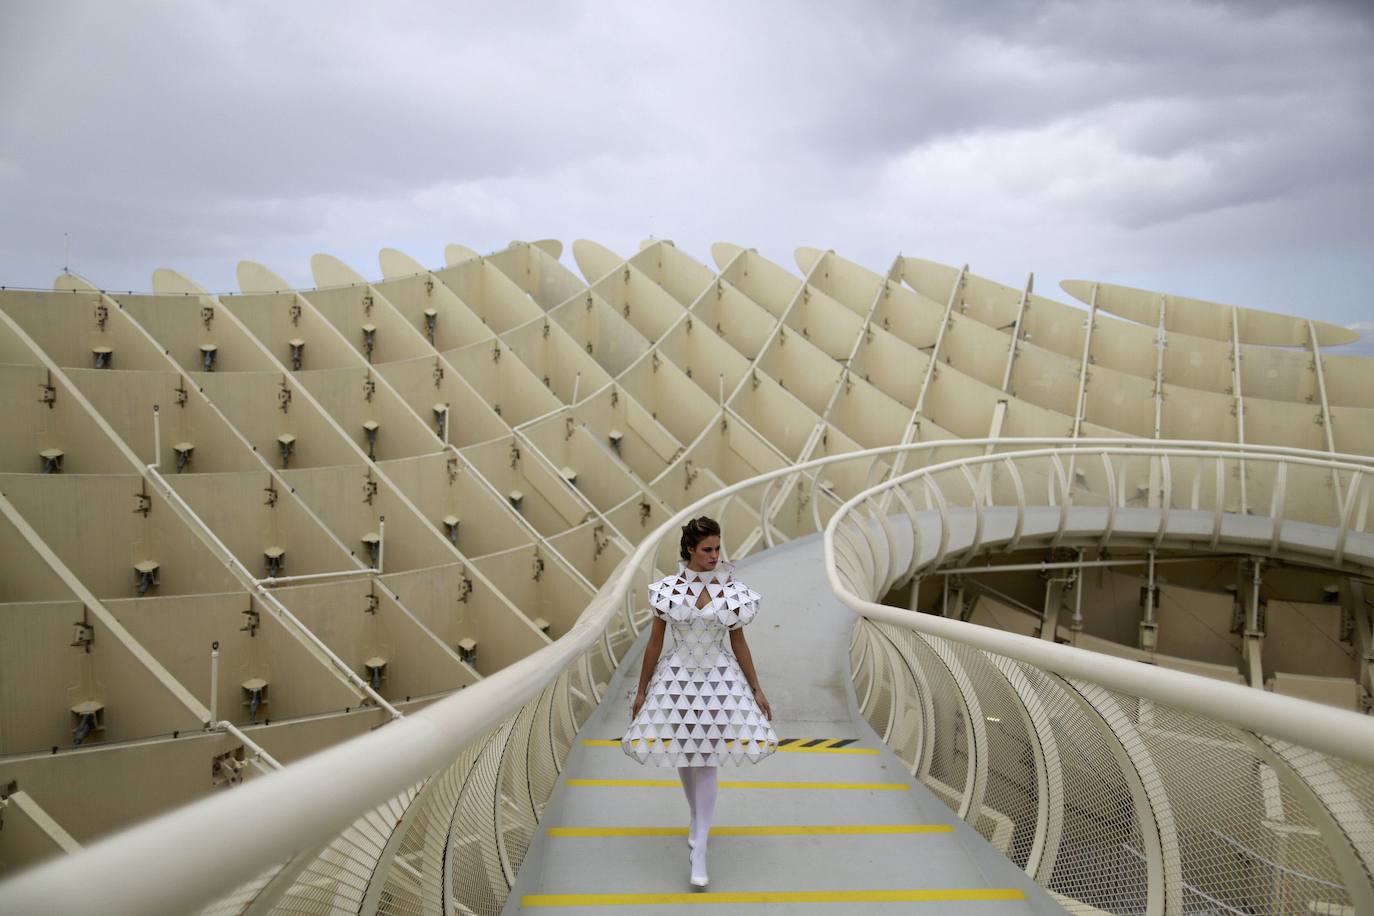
<point x="433" y="812"/>
<point x="1119" y="786"/>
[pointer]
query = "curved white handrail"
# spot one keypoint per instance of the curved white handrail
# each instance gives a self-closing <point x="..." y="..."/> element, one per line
<point x="307" y="803"/>
<point x="1333" y="731"/>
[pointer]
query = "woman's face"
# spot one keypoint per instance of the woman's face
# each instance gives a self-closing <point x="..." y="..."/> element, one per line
<point x="705" y="555"/>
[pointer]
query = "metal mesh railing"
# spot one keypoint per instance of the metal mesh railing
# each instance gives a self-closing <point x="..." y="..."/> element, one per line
<point x="1046" y="756"/>
<point x="1118" y="786"/>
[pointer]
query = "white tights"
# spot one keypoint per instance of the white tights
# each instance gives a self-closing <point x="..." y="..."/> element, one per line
<point x="699" y="785"/>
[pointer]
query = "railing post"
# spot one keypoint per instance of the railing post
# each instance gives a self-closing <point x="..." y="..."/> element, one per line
<point x="1343" y="823"/>
<point x="1049" y="773"/>
<point x="1154" y="813"/>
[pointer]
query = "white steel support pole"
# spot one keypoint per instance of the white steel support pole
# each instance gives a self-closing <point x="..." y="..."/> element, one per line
<point x="1254" y="635"/>
<point x="1161" y="344"/>
<point x="935" y="351"/>
<point x="1054" y="597"/>
<point x="214" y="681"/>
<point x="1083" y="365"/>
<point x="1016" y="332"/>
<point x="1077" y="626"/>
<point x="381" y="542"/>
<point x="1327" y="426"/>
<point x="1080" y="403"/>
<point x="1236" y="357"/>
<point x="157" y="438"/>
<point x="1352" y="595"/>
<point x="1149" y="626"/>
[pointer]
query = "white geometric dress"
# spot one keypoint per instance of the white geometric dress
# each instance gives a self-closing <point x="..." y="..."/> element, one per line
<point x="698" y="707"/>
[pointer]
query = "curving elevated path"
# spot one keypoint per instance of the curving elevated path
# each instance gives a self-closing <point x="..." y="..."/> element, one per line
<point x="830" y="829"/>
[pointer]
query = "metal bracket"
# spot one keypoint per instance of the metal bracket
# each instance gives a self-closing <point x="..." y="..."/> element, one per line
<point x="48" y="393"/>
<point x="144" y="502"/>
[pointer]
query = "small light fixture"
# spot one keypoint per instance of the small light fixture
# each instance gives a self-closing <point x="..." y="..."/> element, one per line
<point x="147" y="573"/>
<point x="370" y="428"/>
<point x="208" y="354"/>
<point x="255" y="696"/>
<point x="369" y="339"/>
<point x="441" y="419"/>
<point x="376" y="671"/>
<point x="183" y="452"/>
<point x="431" y="321"/>
<point x="373" y="542"/>
<point x="616" y="437"/>
<point x="104" y="356"/>
<point x="276" y="561"/>
<point x="52" y="460"/>
<point x="516" y="499"/>
<point x="569" y="474"/>
<point x="467" y="650"/>
<point x="287" y="444"/>
<point x="297" y="352"/>
<point x="88" y="717"/>
<point x="541" y="625"/>
<point x="451" y="523"/>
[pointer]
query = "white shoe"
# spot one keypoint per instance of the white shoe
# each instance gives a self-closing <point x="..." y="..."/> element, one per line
<point x="699" y="877"/>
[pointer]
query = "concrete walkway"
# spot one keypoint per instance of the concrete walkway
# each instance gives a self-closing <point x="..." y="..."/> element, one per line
<point x="834" y="830"/>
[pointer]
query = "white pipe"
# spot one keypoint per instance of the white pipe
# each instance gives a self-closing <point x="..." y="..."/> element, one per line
<point x="214" y="681"/>
<point x="1150" y="591"/>
<point x="268" y="598"/>
<point x="252" y="745"/>
<point x="157" y="439"/>
<point x="279" y="580"/>
<point x="305" y="804"/>
<point x="1074" y="564"/>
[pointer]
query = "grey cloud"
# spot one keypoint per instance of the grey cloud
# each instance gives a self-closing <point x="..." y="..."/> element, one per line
<point x="1212" y="149"/>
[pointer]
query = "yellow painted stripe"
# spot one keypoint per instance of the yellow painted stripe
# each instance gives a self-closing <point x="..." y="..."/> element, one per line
<point x="782" y="749"/>
<point x="917" y="895"/>
<point x="751" y="784"/>
<point x="756" y="830"/>
<point x="827" y="750"/>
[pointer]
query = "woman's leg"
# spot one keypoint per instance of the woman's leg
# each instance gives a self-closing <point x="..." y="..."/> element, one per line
<point x="689" y="789"/>
<point x="705" y="795"/>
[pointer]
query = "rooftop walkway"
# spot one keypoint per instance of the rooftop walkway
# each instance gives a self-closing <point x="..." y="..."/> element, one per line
<point x="833" y="829"/>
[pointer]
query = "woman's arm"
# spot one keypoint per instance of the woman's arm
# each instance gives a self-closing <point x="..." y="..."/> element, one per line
<point x="652" y="651"/>
<point x="746" y="664"/>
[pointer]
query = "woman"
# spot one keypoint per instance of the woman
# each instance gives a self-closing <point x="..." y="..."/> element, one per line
<point x="700" y="705"/>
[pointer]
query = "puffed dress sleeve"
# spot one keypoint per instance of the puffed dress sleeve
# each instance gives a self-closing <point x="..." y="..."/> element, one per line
<point x="740" y="605"/>
<point x="667" y="598"/>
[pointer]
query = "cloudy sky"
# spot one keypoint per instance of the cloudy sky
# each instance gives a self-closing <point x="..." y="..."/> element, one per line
<point x="1218" y="150"/>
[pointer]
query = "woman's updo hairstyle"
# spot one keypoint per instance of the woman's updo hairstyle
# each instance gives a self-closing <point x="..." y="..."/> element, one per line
<point x="696" y="531"/>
